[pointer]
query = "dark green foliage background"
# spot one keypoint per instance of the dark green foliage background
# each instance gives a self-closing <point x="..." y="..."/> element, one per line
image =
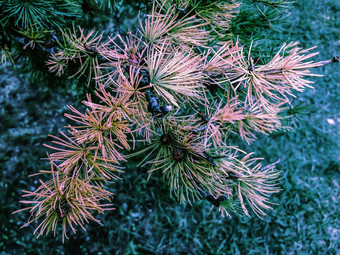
<point x="147" y="220"/>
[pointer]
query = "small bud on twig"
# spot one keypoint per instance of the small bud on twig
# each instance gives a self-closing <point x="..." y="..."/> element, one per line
<point x="335" y="59"/>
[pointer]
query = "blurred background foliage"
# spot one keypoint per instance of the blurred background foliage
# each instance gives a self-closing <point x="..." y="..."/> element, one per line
<point x="147" y="220"/>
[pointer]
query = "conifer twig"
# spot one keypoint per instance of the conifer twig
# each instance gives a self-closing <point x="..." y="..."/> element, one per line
<point x="335" y="59"/>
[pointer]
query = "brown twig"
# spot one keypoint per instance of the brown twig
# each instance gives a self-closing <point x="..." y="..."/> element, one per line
<point x="335" y="59"/>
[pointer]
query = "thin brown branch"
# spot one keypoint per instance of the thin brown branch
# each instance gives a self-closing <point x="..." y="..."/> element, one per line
<point x="335" y="59"/>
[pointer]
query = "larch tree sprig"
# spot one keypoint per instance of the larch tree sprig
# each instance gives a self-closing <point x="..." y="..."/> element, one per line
<point x="179" y="87"/>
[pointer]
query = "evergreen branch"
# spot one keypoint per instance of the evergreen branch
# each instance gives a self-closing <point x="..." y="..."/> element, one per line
<point x="188" y="146"/>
